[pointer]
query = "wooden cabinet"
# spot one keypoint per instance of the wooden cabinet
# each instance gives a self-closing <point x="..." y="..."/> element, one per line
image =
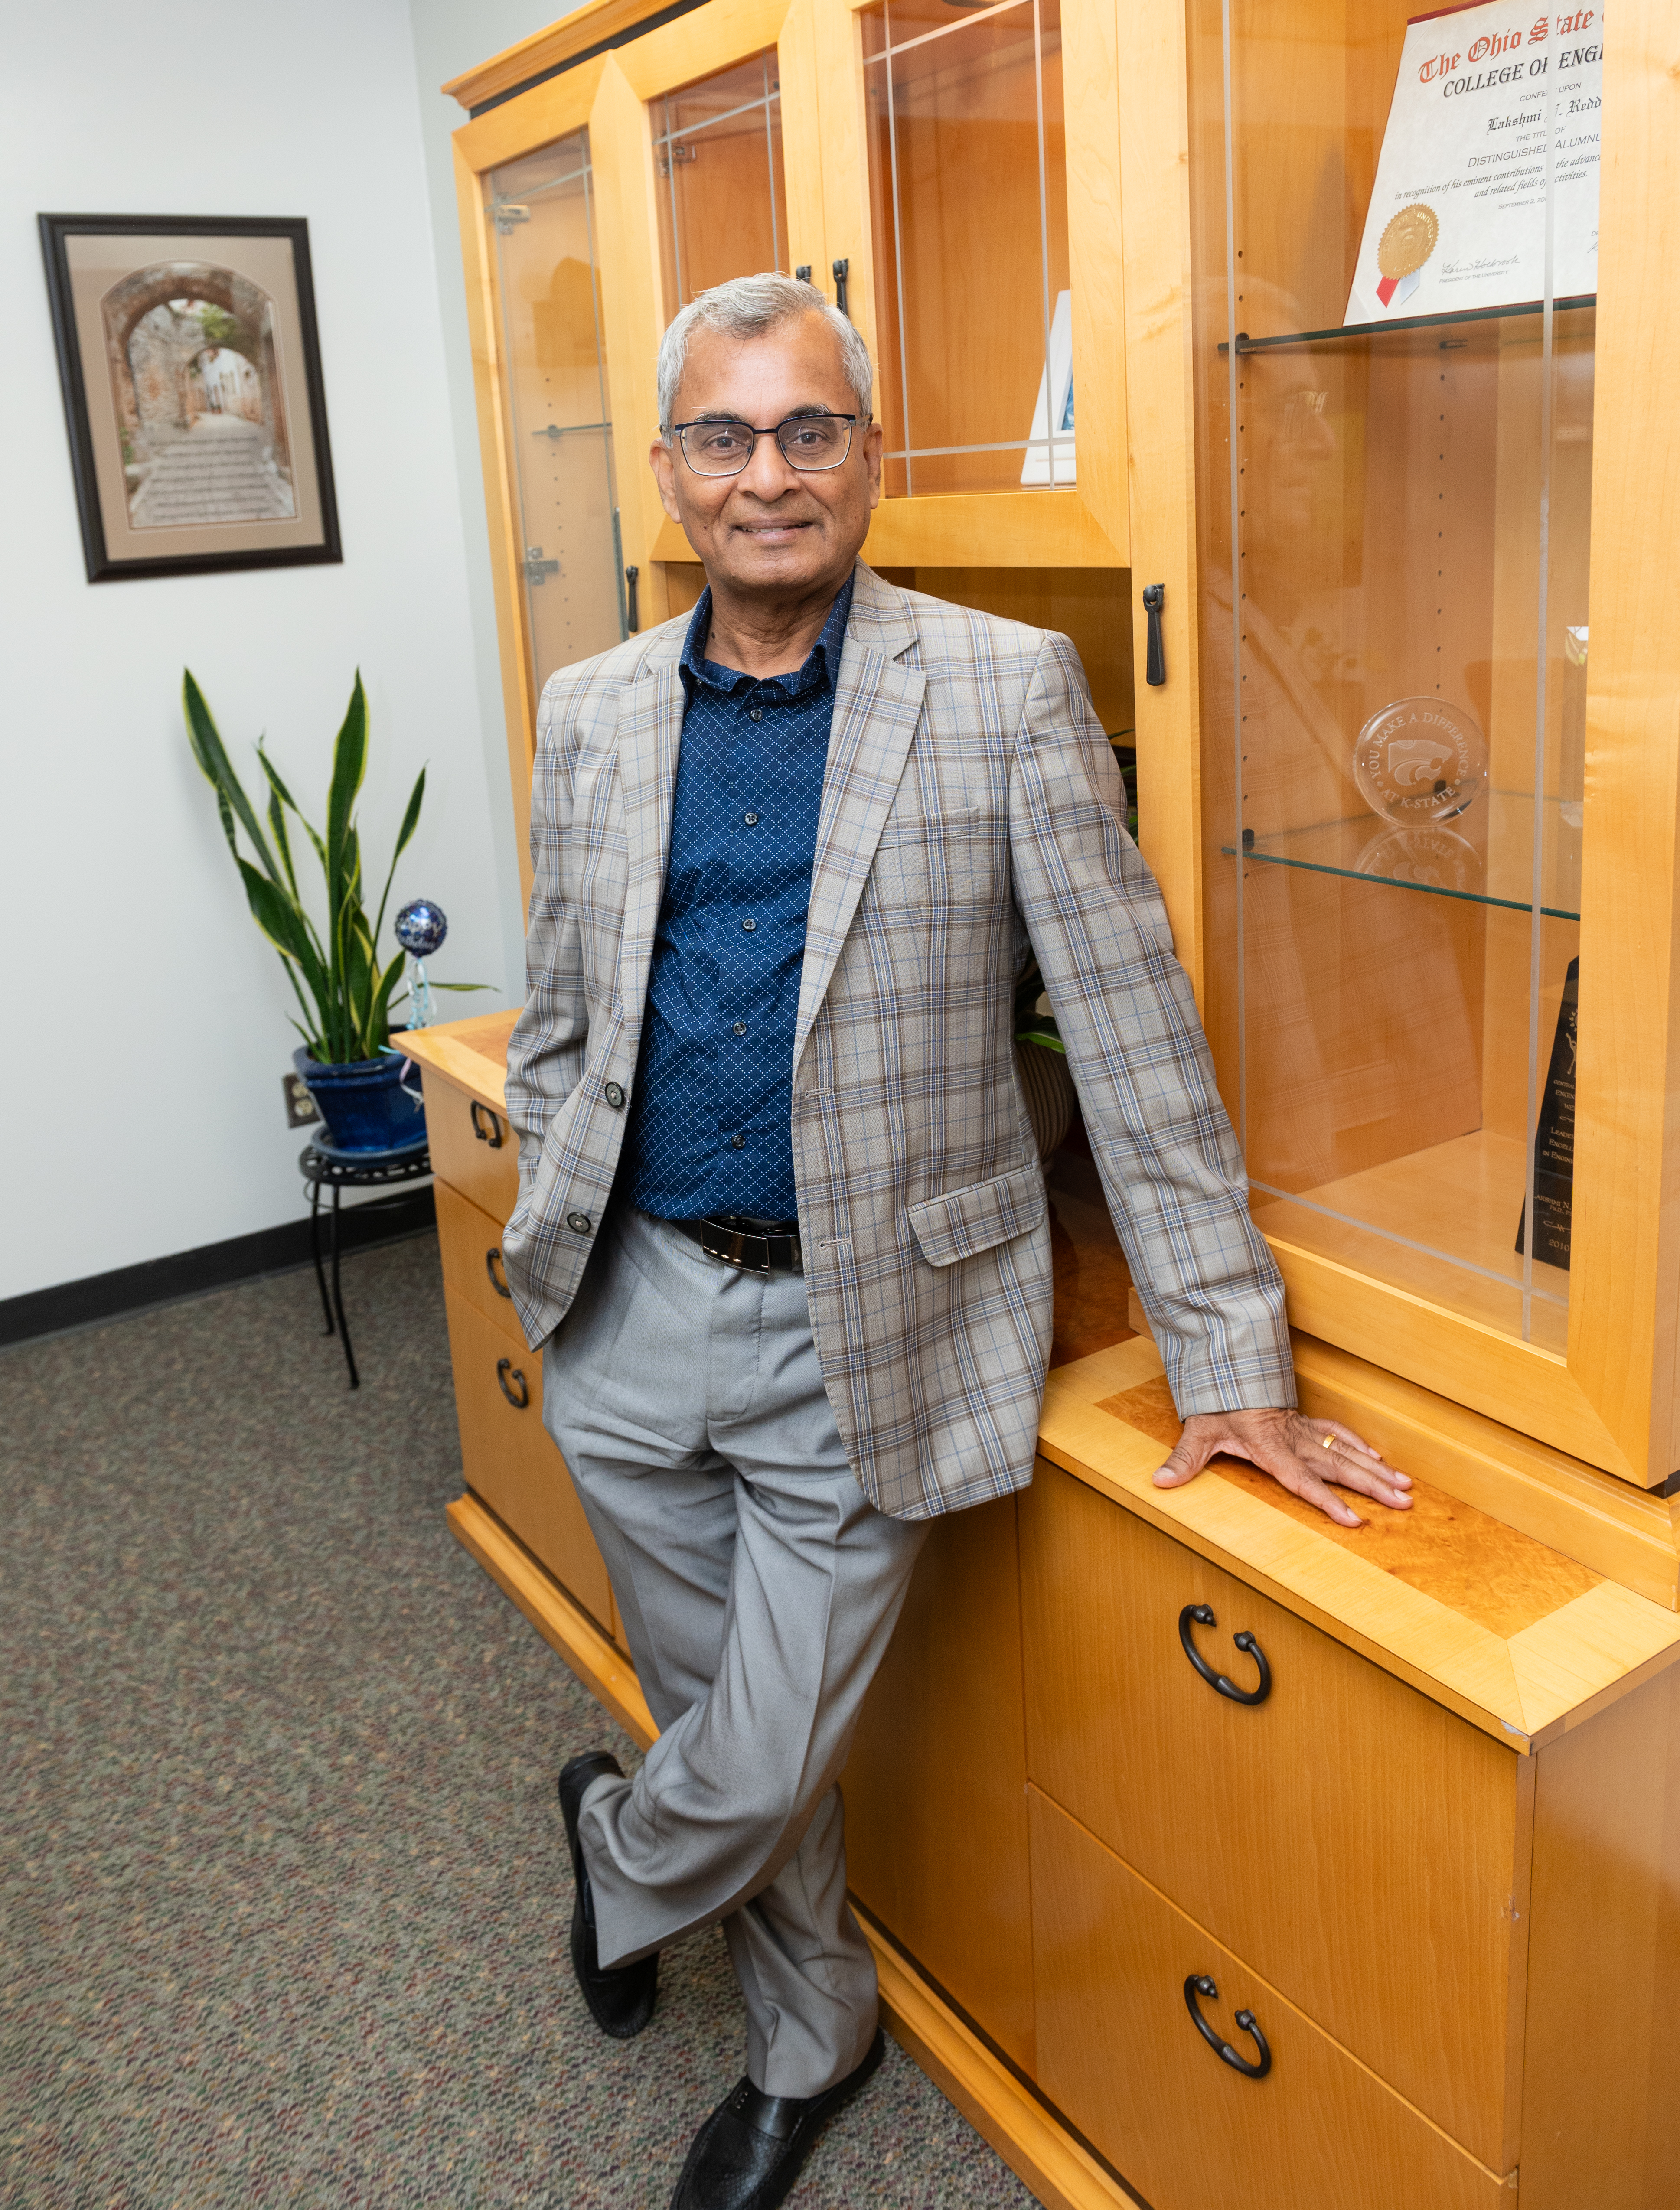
<point x="1291" y="1829"/>
<point x="511" y="1466"/>
<point x="942" y="1750"/>
<point x="510" y="1462"/>
<point x="952" y="180"/>
<point x="1439" y="1864"/>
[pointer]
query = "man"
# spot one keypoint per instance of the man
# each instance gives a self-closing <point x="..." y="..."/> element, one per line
<point x="782" y="1226"/>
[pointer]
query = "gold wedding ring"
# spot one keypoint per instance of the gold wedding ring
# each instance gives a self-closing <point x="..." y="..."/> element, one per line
<point x="1324" y="1442"/>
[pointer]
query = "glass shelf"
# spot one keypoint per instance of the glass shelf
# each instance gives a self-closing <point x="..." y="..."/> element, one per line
<point x="1246" y="344"/>
<point x="1443" y="859"/>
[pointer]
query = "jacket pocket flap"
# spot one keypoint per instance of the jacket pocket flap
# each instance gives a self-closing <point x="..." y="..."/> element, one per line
<point x="986" y="1213"/>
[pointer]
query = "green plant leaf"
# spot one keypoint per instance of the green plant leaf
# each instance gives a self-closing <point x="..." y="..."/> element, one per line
<point x="281" y="922"/>
<point x="461" y="986"/>
<point x="217" y="768"/>
<point x="277" y="823"/>
<point x="410" y="823"/>
<point x="358" y="983"/>
<point x="382" y="995"/>
<point x="349" y="765"/>
<point x="286" y="799"/>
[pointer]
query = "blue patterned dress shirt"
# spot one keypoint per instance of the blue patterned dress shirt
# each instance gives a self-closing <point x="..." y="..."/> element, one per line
<point x="710" y="1126"/>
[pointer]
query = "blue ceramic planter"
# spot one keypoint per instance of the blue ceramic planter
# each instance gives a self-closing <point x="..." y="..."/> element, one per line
<point x="364" y="1102"/>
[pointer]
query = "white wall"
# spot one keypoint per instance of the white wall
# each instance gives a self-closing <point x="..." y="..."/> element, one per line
<point x="145" y="1021"/>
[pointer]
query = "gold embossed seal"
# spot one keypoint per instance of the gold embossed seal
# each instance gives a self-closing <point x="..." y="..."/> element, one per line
<point x="1408" y="241"/>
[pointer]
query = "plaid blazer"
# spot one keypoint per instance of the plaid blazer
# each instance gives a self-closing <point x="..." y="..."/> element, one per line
<point x="970" y="807"/>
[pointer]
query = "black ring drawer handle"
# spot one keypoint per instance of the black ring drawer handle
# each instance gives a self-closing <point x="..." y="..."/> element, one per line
<point x="1201" y="1615"/>
<point x="505" y="1366"/>
<point x="493" y="1267"/>
<point x="1199" y="1985"/>
<point x="495" y="1134"/>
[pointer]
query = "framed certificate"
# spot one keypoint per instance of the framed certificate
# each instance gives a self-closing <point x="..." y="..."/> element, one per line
<point x="1487" y="189"/>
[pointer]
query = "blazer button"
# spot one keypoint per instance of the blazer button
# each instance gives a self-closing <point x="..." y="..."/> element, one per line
<point x="578" y="1222"/>
<point x="614" y="1095"/>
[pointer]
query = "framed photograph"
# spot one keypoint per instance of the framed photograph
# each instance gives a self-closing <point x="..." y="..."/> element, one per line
<point x="191" y="371"/>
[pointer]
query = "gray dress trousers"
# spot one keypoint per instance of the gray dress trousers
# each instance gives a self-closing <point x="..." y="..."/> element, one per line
<point x="759" y="1589"/>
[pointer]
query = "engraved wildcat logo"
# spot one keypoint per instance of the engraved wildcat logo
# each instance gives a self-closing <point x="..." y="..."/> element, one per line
<point x="1413" y="761"/>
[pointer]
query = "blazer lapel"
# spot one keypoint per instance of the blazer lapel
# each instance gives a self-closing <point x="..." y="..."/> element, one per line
<point x="876" y="704"/>
<point x="649" y="735"/>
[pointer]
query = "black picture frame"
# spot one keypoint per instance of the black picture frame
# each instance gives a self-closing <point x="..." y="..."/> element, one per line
<point x="93" y="409"/>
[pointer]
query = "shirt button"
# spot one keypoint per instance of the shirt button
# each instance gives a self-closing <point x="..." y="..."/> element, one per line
<point x="740" y="1028"/>
<point x="749" y="926"/>
<point x="755" y="714"/>
<point x="578" y="1222"/>
<point x="750" y="819"/>
<point x="737" y="1143"/>
<point x="614" y="1095"/>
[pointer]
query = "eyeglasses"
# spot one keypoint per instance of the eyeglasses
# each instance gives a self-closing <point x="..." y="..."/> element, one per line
<point x="809" y="443"/>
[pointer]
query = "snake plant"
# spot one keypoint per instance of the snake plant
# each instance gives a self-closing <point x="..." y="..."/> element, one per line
<point x="344" y="995"/>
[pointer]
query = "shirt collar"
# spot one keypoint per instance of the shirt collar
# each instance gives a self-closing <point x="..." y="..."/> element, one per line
<point x="819" y="672"/>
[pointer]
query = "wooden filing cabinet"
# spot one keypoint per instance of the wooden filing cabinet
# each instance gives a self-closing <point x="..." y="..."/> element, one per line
<point x="511" y="1466"/>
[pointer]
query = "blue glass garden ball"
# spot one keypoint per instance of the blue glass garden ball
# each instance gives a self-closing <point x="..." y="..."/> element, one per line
<point x="421" y="926"/>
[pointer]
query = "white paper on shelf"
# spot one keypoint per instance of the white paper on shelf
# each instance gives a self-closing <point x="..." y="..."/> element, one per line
<point x="1058" y="378"/>
<point x="1480" y="90"/>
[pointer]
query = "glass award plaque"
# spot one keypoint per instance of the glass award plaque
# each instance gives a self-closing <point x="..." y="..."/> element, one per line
<point x="1418" y="760"/>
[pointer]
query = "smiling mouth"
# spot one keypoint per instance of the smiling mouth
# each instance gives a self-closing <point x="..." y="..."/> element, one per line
<point x="769" y="528"/>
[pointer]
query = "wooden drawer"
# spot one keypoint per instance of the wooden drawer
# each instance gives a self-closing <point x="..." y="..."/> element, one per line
<point x="1355" y="1843"/>
<point x="475" y="1151"/>
<point x="510" y="1462"/>
<point x="470" y="1243"/>
<point x="1118" y="2052"/>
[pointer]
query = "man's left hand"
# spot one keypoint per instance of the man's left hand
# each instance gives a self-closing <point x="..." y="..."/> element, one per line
<point x="1306" y="1456"/>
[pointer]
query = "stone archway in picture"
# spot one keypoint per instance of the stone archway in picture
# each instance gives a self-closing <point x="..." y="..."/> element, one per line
<point x="187" y="459"/>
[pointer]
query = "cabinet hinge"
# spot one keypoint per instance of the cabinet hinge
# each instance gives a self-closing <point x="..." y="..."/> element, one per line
<point x="536" y="567"/>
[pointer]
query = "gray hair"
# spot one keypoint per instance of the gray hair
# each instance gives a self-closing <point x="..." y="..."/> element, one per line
<point x="746" y="307"/>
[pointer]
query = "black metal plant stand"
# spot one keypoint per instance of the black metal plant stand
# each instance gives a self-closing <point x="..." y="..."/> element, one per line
<point x="335" y="1170"/>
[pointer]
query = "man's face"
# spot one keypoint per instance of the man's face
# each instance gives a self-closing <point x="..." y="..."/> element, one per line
<point x="771" y="530"/>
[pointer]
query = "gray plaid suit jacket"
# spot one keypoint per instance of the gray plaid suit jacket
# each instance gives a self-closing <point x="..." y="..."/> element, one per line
<point x="969" y="806"/>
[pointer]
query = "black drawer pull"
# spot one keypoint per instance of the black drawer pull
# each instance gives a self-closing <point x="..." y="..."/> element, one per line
<point x="1201" y="1615"/>
<point x="1154" y="653"/>
<point x="504" y="1367"/>
<point x="493" y="1267"/>
<point x="1199" y="1985"/>
<point x="495" y="1134"/>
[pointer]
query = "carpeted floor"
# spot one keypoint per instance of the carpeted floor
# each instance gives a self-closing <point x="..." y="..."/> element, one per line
<point x="284" y="1900"/>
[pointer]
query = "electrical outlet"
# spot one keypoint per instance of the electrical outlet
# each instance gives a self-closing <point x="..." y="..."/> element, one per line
<point x="301" y="1111"/>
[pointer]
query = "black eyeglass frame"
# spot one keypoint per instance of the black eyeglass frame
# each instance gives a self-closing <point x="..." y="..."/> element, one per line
<point x="788" y="422"/>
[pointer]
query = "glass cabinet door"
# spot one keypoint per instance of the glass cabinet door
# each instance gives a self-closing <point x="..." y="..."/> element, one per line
<point x="559" y="432"/>
<point x="969" y="201"/>
<point x="1395" y="318"/>
<point x="723" y="197"/>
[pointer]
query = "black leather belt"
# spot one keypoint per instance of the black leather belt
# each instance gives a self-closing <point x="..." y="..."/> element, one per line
<point x="759" y="1247"/>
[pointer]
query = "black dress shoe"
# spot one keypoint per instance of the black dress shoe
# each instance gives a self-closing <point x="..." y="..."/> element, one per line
<point x="750" y="2151"/>
<point x="620" y="1999"/>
